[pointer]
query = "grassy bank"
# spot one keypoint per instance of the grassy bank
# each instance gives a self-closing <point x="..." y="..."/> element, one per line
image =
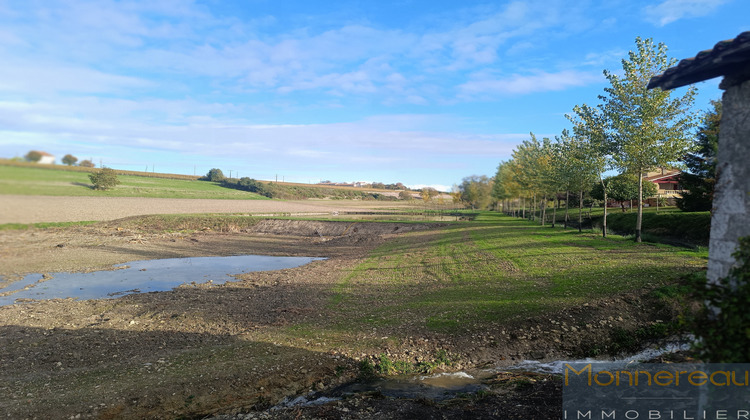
<point x="36" y="180"/>
<point x="667" y="224"/>
<point x="690" y="228"/>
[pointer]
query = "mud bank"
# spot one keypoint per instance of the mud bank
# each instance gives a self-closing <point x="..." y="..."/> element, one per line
<point x="332" y="229"/>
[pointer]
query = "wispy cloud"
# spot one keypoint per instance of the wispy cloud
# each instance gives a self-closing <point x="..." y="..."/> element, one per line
<point x="485" y="85"/>
<point x="177" y="40"/>
<point x="670" y="11"/>
<point x="39" y="78"/>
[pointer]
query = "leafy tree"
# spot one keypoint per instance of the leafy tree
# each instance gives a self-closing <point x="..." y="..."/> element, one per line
<point x="104" y="179"/>
<point x="623" y="187"/>
<point x="589" y="124"/>
<point x="504" y="185"/>
<point x="700" y="178"/>
<point x="69" y="160"/>
<point x="646" y="128"/>
<point x="527" y="169"/>
<point x="87" y="164"/>
<point x="33" y="156"/>
<point x="456" y="194"/>
<point x="428" y="193"/>
<point x="405" y="195"/>
<point x="578" y="169"/>
<point x="476" y="191"/>
<point x="214" y="175"/>
<point x="378" y="185"/>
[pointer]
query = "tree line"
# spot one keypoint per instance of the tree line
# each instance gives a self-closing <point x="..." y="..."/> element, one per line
<point x="631" y="130"/>
<point x="70" y="160"/>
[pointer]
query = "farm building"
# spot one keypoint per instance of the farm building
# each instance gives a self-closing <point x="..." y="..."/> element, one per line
<point x="667" y="185"/>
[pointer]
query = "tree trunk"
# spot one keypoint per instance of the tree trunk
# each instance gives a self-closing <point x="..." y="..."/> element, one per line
<point x="580" y="211"/>
<point x="639" y="218"/>
<point x="544" y="208"/>
<point x="604" y="221"/>
<point x="554" y="210"/>
<point x="533" y="207"/>
<point x="523" y="207"/>
<point x="567" y="206"/>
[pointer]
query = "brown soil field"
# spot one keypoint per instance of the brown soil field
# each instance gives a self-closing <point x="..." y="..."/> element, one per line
<point x="35" y="209"/>
<point x="225" y="350"/>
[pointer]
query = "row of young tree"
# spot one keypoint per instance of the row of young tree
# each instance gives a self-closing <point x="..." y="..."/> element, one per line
<point x="632" y="130"/>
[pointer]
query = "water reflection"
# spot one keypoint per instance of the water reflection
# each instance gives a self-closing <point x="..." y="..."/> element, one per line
<point x="142" y="277"/>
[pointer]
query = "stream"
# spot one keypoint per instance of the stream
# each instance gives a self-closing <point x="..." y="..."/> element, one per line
<point x="447" y="385"/>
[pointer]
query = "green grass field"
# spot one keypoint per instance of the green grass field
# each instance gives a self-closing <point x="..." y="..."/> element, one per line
<point x="493" y="271"/>
<point x="36" y="181"/>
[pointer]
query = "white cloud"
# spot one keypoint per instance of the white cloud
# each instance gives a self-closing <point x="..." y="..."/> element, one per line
<point x="672" y="10"/>
<point x="437" y="187"/>
<point x="484" y="85"/>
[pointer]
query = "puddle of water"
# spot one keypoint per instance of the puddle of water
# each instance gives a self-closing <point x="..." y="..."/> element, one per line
<point x="309" y="400"/>
<point x="143" y="277"/>
<point x="438" y="387"/>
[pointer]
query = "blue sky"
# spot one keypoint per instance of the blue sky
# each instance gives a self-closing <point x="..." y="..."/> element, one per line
<point x="419" y="92"/>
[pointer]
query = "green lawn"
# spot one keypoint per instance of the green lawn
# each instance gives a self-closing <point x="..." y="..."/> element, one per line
<point x="36" y="181"/>
<point x="495" y="270"/>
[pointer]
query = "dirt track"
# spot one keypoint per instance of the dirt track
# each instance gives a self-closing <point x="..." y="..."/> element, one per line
<point x="35" y="209"/>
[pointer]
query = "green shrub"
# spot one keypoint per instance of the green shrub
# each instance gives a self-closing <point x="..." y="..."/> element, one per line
<point x="723" y="327"/>
<point x="366" y="369"/>
<point x="104" y="179"/>
<point x="214" y="175"/>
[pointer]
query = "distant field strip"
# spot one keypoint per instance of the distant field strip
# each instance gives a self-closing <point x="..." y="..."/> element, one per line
<point x="34" y="181"/>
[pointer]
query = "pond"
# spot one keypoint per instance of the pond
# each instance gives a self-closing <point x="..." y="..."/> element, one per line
<point x="142" y="277"/>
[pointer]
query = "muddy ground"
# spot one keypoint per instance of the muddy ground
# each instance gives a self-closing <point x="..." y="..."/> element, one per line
<point x="202" y="350"/>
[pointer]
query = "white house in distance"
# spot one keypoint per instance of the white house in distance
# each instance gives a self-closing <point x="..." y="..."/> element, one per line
<point x="47" y="158"/>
